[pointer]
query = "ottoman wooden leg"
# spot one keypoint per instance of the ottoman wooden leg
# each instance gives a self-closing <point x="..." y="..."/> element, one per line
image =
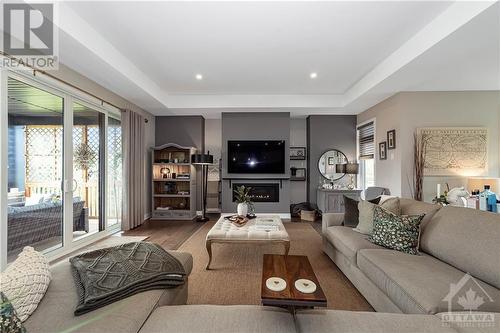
<point x="209" y="250"/>
<point x="287" y="247"/>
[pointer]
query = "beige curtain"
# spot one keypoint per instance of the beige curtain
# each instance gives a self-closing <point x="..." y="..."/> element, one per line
<point x="133" y="169"/>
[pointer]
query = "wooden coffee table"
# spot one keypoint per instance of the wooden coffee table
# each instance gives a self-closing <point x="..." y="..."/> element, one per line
<point x="290" y="268"/>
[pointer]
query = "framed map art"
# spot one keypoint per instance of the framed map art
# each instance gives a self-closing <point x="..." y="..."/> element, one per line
<point x="455" y="150"/>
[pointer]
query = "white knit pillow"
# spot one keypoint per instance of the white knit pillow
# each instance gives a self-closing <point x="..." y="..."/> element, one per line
<point x="25" y="281"/>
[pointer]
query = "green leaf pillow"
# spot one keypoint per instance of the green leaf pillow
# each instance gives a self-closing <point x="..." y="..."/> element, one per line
<point x="397" y="232"/>
<point x="9" y="322"/>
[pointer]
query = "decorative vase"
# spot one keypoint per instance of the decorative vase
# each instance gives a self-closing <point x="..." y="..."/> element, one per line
<point x="242" y="209"/>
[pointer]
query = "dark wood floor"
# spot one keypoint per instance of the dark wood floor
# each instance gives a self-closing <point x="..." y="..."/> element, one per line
<point x="171" y="234"/>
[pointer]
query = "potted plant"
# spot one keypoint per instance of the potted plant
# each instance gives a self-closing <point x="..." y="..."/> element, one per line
<point x="242" y="196"/>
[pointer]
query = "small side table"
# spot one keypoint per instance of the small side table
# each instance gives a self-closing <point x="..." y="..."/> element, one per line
<point x="290" y="268"/>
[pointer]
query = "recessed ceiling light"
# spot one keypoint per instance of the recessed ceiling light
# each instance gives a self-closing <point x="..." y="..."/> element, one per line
<point x="313" y="75"/>
<point x="199" y="77"/>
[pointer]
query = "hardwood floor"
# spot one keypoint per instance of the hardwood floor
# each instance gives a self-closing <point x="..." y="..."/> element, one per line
<point x="171" y="234"/>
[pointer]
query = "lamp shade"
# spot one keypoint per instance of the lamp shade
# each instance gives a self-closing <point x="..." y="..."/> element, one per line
<point x="477" y="183"/>
<point x="340" y="168"/>
<point x="352" y="168"/>
<point x="202" y="158"/>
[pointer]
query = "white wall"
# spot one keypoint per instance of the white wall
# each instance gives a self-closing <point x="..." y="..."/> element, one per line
<point x="448" y="109"/>
<point x="408" y="111"/>
<point x="387" y="117"/>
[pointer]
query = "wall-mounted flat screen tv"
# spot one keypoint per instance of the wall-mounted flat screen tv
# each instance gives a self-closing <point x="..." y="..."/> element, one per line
<point x="256" y="157"/>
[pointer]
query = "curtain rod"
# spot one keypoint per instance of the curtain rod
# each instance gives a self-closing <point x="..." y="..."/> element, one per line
<point x="64" y="82"/>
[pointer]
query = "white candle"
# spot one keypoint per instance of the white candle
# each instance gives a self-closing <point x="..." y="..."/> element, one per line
<point x="439" y="190"/>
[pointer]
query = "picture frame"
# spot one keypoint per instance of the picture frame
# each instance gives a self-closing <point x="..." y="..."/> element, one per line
<point x="391" y="139"/>
<point x="382" y="150"/>
<point x="297" y="153"/>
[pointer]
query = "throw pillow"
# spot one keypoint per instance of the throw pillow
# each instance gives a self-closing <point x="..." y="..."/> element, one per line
<point x="395" y="232"/>
<point x="351" y="215"/>
<point x="25" y="281"/>
<point x="367" y="210"/>
<point x="9" y="321"/>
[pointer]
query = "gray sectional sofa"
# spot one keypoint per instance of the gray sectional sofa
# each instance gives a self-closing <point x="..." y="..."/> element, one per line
<point x="55" y="311"/>
<point x="409" y="289"/>
<point x="453" y="241"/>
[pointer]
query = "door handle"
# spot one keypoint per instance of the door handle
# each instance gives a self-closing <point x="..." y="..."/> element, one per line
<point x="66" y="188"/>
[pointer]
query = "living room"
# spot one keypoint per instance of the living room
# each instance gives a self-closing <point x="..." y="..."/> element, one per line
<point x="257" y="166"/>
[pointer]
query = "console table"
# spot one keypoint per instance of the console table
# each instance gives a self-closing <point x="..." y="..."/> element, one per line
<point x="332" y="201"/>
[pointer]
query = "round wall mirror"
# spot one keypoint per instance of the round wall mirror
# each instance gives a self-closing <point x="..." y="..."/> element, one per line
<point x="328" y="162"/>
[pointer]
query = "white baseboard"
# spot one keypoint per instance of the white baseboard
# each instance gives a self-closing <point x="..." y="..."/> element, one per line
<point x="147" y="216"/>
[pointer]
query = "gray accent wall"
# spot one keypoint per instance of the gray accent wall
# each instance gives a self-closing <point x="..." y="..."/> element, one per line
<point x="256" y="126"/>
<point x="326" y="132"/>
<point x="298" y="138"/>
<point x="185" y="131"/>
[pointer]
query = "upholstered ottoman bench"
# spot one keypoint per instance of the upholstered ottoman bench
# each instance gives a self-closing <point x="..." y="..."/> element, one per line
<point x="262" y="229"/>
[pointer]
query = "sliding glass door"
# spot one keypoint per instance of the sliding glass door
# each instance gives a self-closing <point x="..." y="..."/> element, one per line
<point x="64" y="169"/>
<point x="35" y="168"/>
<point x="88" y="173"/>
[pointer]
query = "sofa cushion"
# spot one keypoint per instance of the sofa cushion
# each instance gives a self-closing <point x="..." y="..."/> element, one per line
<point x="351" y="215"/>
<point x="9" y="320"/>
<point x="414" y="207"/>
<point x="467" y="239"/>
<point x="417" y="284"/>
<point x="348" y="241"/>
<point x="397" y="232"/>
<point x="334" y="321"/>
<point x="55" y="311"/>
<point x="219" y="318"/>
<point x="25" y="281"/>
<point x="367" y="210"/>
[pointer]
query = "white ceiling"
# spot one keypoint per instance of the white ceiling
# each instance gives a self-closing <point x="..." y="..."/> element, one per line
<point x="258" y="55"/>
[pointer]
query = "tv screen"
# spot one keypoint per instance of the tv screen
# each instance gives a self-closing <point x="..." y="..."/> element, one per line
<point x="256" y="156"/>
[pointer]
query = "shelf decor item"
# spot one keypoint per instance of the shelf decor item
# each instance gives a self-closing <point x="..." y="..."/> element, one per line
<point x="297" y="153"/>
<point x="204" y="160"/>
<point x="299" y="174"/>
<point x="165" y="172"/>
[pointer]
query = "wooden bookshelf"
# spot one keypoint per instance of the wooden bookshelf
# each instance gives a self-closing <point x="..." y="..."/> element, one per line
<point x="173" y="198"/>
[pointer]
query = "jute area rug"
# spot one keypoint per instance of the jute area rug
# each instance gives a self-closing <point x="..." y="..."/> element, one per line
<point x="236" y="270"/>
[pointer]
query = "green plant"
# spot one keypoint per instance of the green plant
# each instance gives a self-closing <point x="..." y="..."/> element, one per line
<point x="242" y="194"/>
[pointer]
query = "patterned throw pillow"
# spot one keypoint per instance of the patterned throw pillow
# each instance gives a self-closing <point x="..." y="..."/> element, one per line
<point x="395" y="232"/>
<point x="25" y="281"/>
<point x="9" y="322"/>
<point x="367" y="211"/>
